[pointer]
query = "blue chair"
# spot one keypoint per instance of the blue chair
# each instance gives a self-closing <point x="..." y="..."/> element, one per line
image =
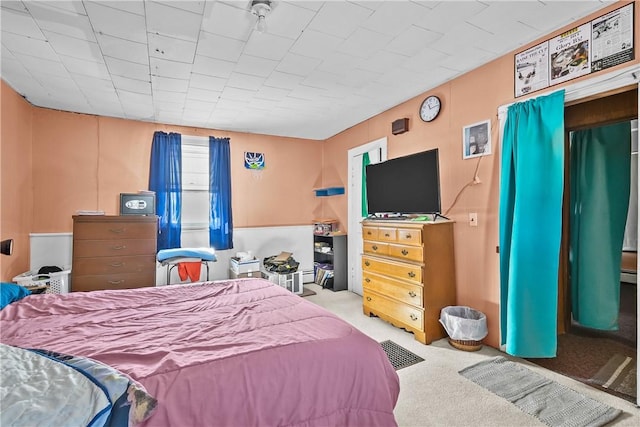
<point x="172" y="257"/>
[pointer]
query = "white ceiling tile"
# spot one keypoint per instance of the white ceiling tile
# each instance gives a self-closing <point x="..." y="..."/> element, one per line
<point x="272" y="93"/>
<point x="13" y="5"/>
<point x="194" y="105"/>
<point x="203" y="94"/>
<point x="132" y="85"/>
<point x="268" y="46"/>
<point x="123" y="49"/>
<point x="32" y="47"/>
<point x="321" y="79"/>
<point x="55" y="83"/>
<point x="339" y="62"/>
<point x="308" y="4"/>
<point x="424" y="60"/>
<point x="339" y="18"/>
<point x="315" y="44"/>
<point x="164" y="68"/>
<point x="117" y="23"/>
<point x="461" y="36"/>
<point x="93" y="84"/>
<point x="84" y="67"/>
<point x="449" y="13"/>
<point x="283" y="80"/>
<point x="255" y="66"/>
<point x="107" y="109"/>
<point x="69" y="6"/>
<point x="62" y="21"/>
<point x="392" y="18"/>
<point x="383" y="60"/>
<point x="298" y="64"/>
<point x="363" y="43"/>
<point x="191" y="6"/>
<point x="228" y="21"/>
<point x="171" y="48"/>
<point x="160" y="96"/>
<point x="466" y="58"/>
<point x="358" y="78"/>
<point x="172" y="22"/>
<point x="212" y="67"/>
<point x="236" y="94"/>
<point x="289" y="19"/>
<point x="132" y="98"/>
<point x="168" y="84"/>
<point x="245" y="81"/>
<point x="215" y="46"/>
<point x="169" y="108"/>
<point x="40" y="65"/>
<point x="412" y="40"/>
<point x="76" y="48"/>
<point x="202" y="81"/>
<point x="121" y="67"/>
<point x="20" y="23"/>
<point x="136" y="7"/>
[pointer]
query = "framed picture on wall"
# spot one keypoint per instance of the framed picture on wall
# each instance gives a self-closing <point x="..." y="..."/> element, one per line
<point x="476" y="140"/>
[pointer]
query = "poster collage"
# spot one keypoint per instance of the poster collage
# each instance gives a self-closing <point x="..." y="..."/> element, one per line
<point x="597" y="45"/>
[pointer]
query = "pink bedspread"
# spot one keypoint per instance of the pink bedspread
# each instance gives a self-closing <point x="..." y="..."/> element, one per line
<point x="233" y="353"/>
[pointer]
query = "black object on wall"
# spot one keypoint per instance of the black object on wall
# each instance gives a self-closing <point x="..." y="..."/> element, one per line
<point x="6" y="247"/>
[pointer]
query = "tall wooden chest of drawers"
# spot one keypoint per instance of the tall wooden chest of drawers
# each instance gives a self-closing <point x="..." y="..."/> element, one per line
<point x="408" y="274"/>
<point x="113" y="252"/>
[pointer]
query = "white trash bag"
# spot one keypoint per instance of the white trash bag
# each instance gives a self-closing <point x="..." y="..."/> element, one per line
<point x="464" y="323"/>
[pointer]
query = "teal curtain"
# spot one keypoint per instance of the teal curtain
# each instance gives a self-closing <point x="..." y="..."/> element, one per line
<point x="365" y="162"/>
<point x="531" y="186"/>
<point x="600" y="186"/>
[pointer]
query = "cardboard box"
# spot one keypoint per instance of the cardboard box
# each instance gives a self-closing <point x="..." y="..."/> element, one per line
<point x="250" y="274"/>
<point x="238" y="266"/>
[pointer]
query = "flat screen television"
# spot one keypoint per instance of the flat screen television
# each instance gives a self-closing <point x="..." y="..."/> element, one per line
<point x="404" y="185"/>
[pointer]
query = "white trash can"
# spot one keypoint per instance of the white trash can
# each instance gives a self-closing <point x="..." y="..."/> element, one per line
<point x="465" y="326"/>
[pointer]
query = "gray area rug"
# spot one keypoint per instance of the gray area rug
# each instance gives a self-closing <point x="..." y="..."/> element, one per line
<point x="550" y="402"/>
<point x="399" y="356"/>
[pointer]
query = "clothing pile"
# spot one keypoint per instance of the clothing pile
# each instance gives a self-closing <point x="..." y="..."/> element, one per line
<point x="281" y="264"/>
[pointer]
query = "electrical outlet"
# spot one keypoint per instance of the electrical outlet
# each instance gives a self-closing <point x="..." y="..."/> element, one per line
<point x="473" y="219"/>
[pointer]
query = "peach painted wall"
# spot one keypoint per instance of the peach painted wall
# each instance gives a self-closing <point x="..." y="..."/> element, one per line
<point x="16" y="184"/>
<point x="468" y="99"/>
<point x="91" y="160"/>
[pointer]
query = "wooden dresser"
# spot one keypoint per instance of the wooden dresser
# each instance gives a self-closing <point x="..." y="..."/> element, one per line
<point x="408" y="274"/>
<point x="113" y="252"/>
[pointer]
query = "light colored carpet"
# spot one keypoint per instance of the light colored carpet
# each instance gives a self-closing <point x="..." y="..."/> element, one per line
<point x="432" y="393"/>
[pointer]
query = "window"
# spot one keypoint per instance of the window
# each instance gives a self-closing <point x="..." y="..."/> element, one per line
<point x="195" y="191"/>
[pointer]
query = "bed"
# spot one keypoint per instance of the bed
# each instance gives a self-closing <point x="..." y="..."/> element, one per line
<point x="231" y="353"/>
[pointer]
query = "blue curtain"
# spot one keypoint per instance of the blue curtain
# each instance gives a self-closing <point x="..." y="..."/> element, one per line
<point x="365" y="205"/>
<point x="600" y="187"/>
<point x="220" y="217"/>
<point x="531" y="187"/>
<point x="165" y="178"/>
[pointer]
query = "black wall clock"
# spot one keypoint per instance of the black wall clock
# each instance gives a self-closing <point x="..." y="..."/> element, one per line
<point x="430" y="108"/>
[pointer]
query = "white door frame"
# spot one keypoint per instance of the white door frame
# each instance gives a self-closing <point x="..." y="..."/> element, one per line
<point x="354" y="240"/>
<point x="599" y="84"/>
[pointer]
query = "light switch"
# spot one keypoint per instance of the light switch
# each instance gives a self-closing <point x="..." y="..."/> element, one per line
<point x="473" y="219"/>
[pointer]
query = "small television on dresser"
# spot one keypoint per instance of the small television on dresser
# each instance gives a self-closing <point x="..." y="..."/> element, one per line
<point x="404" y="185"/>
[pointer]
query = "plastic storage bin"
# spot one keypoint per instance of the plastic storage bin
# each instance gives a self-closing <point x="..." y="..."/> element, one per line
<point x="465" y="326"/>
<point x="57" y="283"/>
<point x="291" y="281"/>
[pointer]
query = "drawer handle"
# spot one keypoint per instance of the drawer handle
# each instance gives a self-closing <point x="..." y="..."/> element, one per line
<point x="367" y="263"/>
<point x="405" y="252"/>
<point x="412" y="294"/>
<point x="117" y="264"/>
<point x="413" y="316"/>
<point x="386" y="234"/>
<point x="116" y="282"/>
<point x="412" y="274"/>
<point x="117" y="230"/>
<point x="369" y="233"/>
<point x="118" y="248"/>
<point x="374" y="247"/>
<point x="367" y="280"/>
<point x="368" y="298"/>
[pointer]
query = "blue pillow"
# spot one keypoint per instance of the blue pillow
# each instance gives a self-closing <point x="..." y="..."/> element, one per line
<point x="10" y="292"/>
